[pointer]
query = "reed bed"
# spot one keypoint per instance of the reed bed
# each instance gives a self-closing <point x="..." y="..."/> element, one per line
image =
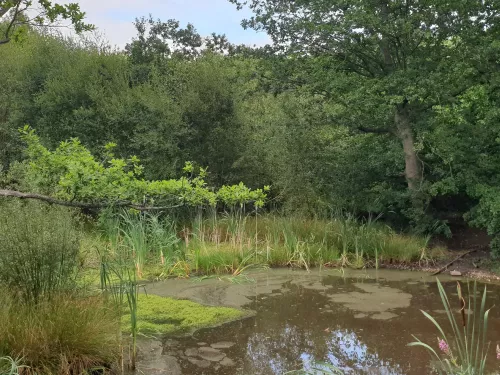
<point x="229" y="242"/>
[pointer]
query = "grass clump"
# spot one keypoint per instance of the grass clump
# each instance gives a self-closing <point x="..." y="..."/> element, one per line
<point x="161" y="315"/>
<point x="39" y="250"/>
<point x="46" y="318"/>
<point x="10" y="366"/>
<point x="66" y="335"/>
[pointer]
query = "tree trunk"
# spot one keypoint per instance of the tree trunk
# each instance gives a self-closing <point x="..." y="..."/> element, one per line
<point x="413" y="170"/>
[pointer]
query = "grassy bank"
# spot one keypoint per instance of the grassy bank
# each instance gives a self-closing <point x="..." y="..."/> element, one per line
<point x="56" y="320"/>
<point x="72" y="302"/>
<point x="161" y="247"/>
<point x="63" y="335"/>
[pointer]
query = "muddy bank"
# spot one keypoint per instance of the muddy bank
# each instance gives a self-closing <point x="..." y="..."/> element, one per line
<point x="474" y="263"/>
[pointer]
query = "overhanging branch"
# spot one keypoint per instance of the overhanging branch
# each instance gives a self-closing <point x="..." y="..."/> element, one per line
<point x="59" y="202"/>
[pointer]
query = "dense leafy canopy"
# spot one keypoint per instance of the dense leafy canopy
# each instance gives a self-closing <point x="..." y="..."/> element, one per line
<point x="374" y="107"/>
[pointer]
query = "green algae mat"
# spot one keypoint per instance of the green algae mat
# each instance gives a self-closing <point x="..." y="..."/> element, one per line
<point x="163" y="315"/>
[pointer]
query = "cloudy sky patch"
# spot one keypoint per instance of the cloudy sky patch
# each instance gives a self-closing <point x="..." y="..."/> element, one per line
<point x="115" y="18"/>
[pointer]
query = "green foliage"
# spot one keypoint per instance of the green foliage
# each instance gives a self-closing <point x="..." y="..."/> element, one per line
<point x="39" y="252"/>
<point x="363" y="67"/>
<point x="71" y="172"/>
<point x="466" y="351"/>
<point x="320" y="121"/>
<point x="239" y="195"/>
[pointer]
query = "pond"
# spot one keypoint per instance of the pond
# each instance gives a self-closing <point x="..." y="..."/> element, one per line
<point x="360" y="322"/>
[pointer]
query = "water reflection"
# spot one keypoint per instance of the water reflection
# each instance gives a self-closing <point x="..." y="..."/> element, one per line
<point x="279" y="351"/>
<point x="304" y="324"/>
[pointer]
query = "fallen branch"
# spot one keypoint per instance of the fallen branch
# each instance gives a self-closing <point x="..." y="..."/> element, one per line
<point x="59" y="202"/>
<point x="453" y="261"/>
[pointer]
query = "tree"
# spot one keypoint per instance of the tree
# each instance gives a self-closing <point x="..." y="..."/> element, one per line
<point x="384" y="64"/>
<point x="157" y="42"/>
<point x="18" y="13"/>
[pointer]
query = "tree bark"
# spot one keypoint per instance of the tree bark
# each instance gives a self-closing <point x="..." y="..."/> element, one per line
<point x="413" y="170"/>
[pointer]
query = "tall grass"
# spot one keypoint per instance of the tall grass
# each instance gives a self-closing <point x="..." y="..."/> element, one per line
<point x="224" y="243"/>
<point x="465" y="350"/>
<point x="39" y="250"/>
<point x="66" y="335"/>
<point x="46" y="317"/>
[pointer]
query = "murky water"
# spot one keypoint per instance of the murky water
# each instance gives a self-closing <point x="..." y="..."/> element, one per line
<point x="361" y="322"/>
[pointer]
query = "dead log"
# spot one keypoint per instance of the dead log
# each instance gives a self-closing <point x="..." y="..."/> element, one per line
<point x="453" y="261"/>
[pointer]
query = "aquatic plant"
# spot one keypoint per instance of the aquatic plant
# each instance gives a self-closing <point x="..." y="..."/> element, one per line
<point x="119" y="283"/>
<point x="228" y="242"/>
<point x="135" y="238"/>
<point x="464" y="351"/>
<point x="161" y="237"/>
<point x="161" y="315"/>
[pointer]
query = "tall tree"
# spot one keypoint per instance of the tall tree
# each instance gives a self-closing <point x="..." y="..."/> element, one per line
<point x="42" y="13"/>
<point x="384" y="63"/>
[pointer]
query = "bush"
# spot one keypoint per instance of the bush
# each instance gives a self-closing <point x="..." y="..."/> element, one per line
<point x="39" y="247"/>
<point x="66" y="335"/>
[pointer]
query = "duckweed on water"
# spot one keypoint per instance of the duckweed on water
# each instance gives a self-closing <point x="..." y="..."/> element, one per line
<point x="160" y="315"/>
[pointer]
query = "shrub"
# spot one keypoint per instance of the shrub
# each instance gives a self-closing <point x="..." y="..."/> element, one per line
<point x="39" y="247"/>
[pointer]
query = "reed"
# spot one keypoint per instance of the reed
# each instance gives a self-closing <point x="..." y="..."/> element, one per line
<point x="317" y="369"/>
<point x="119" y="284"/>
<point x="218" y="243"/>
<point x="465" y="350"/>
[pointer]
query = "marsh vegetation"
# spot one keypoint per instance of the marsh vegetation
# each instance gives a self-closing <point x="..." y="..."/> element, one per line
<point x="350" y="142"/>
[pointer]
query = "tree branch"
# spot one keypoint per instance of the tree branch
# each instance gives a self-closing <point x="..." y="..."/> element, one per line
<point x="373" y="131"/>
<point x="11" y="24"/>
<point x="50" y="200"/>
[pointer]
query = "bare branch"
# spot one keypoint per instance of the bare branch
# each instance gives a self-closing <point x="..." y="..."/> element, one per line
<point x="50" y="200"/>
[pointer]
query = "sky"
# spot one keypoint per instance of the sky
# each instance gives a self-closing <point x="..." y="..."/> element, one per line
<point x="114" y="18"/>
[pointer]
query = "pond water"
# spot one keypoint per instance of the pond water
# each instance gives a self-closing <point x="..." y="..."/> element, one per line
<point x="360" y="322"/>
